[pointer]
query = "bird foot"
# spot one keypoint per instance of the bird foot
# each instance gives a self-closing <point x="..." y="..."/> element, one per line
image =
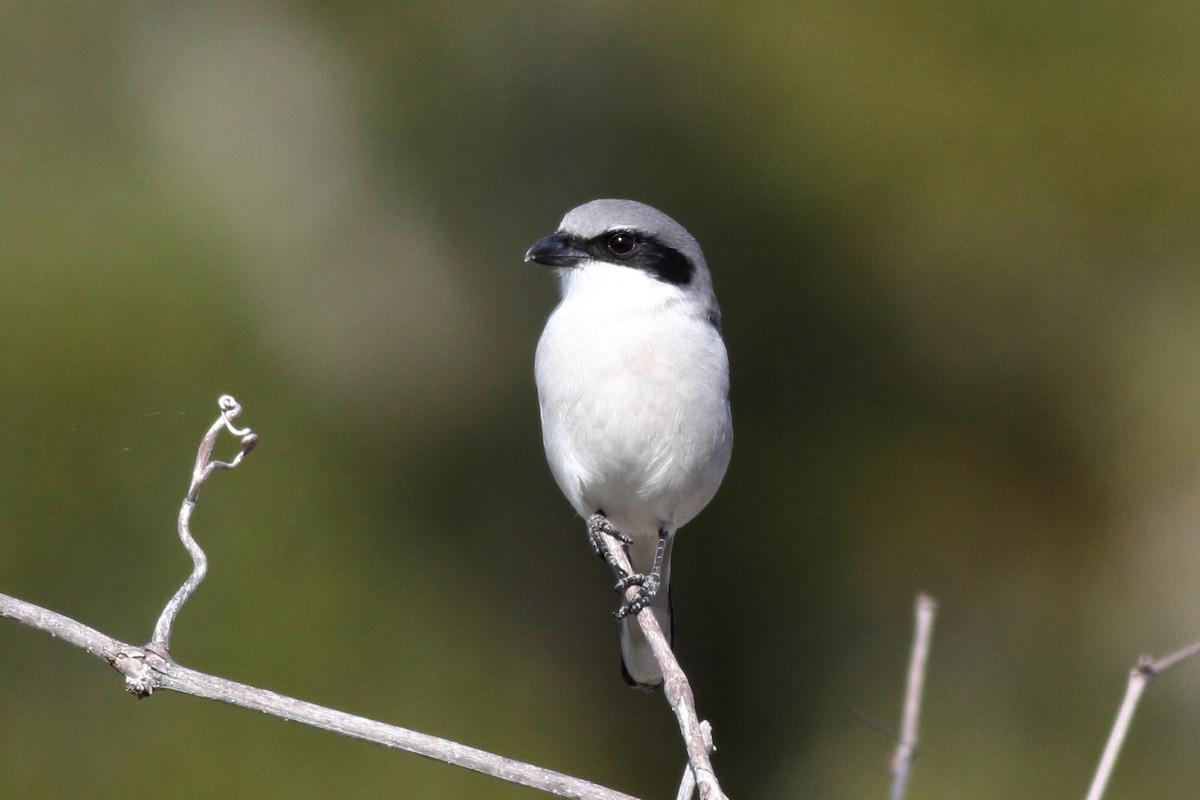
<point x="598" y="524"/>
<point x="648" y="585"/>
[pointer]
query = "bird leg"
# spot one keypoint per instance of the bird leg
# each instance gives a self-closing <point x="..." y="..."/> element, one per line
<point x="598" y="524"/>
<point x="649" y="583"/>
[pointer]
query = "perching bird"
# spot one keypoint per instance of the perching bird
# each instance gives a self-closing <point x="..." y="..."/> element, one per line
<point x="633" y="384"/>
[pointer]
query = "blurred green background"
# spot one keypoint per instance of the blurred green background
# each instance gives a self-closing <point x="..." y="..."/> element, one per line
<point x="956" y="248"/>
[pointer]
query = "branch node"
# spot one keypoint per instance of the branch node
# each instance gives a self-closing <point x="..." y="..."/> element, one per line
<point x="706" y="735"/>
<point x="139" y="679"/>
<point x="1145" y="666"/>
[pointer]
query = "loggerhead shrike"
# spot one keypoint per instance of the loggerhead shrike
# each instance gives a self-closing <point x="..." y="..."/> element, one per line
<point x="633" y="384"/>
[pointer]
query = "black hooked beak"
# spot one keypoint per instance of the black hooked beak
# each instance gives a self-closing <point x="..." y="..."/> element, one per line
<point x="555" y="251"/>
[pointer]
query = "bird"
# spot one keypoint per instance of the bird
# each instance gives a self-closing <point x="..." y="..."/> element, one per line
<point x="632" y="381"/>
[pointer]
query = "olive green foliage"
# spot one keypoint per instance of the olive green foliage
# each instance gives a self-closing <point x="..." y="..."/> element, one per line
<point x="956" y="249"/>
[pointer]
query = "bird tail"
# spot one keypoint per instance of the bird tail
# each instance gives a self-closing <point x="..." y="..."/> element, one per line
<point x="638" y="665"/>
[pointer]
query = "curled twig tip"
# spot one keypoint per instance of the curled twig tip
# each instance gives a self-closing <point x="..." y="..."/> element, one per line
<point x="231" y="409"/>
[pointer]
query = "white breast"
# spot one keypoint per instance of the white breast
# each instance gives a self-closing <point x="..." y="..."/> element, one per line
<point x="633" y="384"/>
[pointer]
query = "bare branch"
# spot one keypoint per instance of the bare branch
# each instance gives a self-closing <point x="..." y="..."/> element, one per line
<point x="697" y="738"/>
<point x="906" y="749"/>
<point x="149" y="668"/>
<point x="1139" y="677"/>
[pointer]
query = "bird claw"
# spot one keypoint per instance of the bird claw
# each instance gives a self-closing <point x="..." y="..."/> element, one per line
<point x="598" y="524"/>
<point x="629" y="579"/>
<point x="648" y="589"/>
<point x="640" y="601"/>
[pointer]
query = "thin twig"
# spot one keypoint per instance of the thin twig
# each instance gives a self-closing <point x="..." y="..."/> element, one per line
<point x="906" y="748"/>
<point x="687" y="784"/>
<point x="205" y="466"/>
<point x="697" y="738"/>
<point x="1139" y="677"/>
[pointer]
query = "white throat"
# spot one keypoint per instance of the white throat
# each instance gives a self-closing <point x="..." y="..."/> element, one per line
<point x="615" y="288"/>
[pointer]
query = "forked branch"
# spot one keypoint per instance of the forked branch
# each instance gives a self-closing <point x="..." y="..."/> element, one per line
<point x="1140" y="676"/>
<point x="150" y="667"/>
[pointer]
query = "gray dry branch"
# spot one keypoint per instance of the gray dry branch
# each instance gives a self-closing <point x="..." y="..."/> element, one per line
<point x="150" y="667"/>
<point x="697" y="736"/>
<point x="906" y="749"/>
<point x="1140" y="676"/>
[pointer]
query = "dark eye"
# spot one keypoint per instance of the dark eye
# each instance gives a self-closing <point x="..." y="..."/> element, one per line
<point x="621" y="244"/>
